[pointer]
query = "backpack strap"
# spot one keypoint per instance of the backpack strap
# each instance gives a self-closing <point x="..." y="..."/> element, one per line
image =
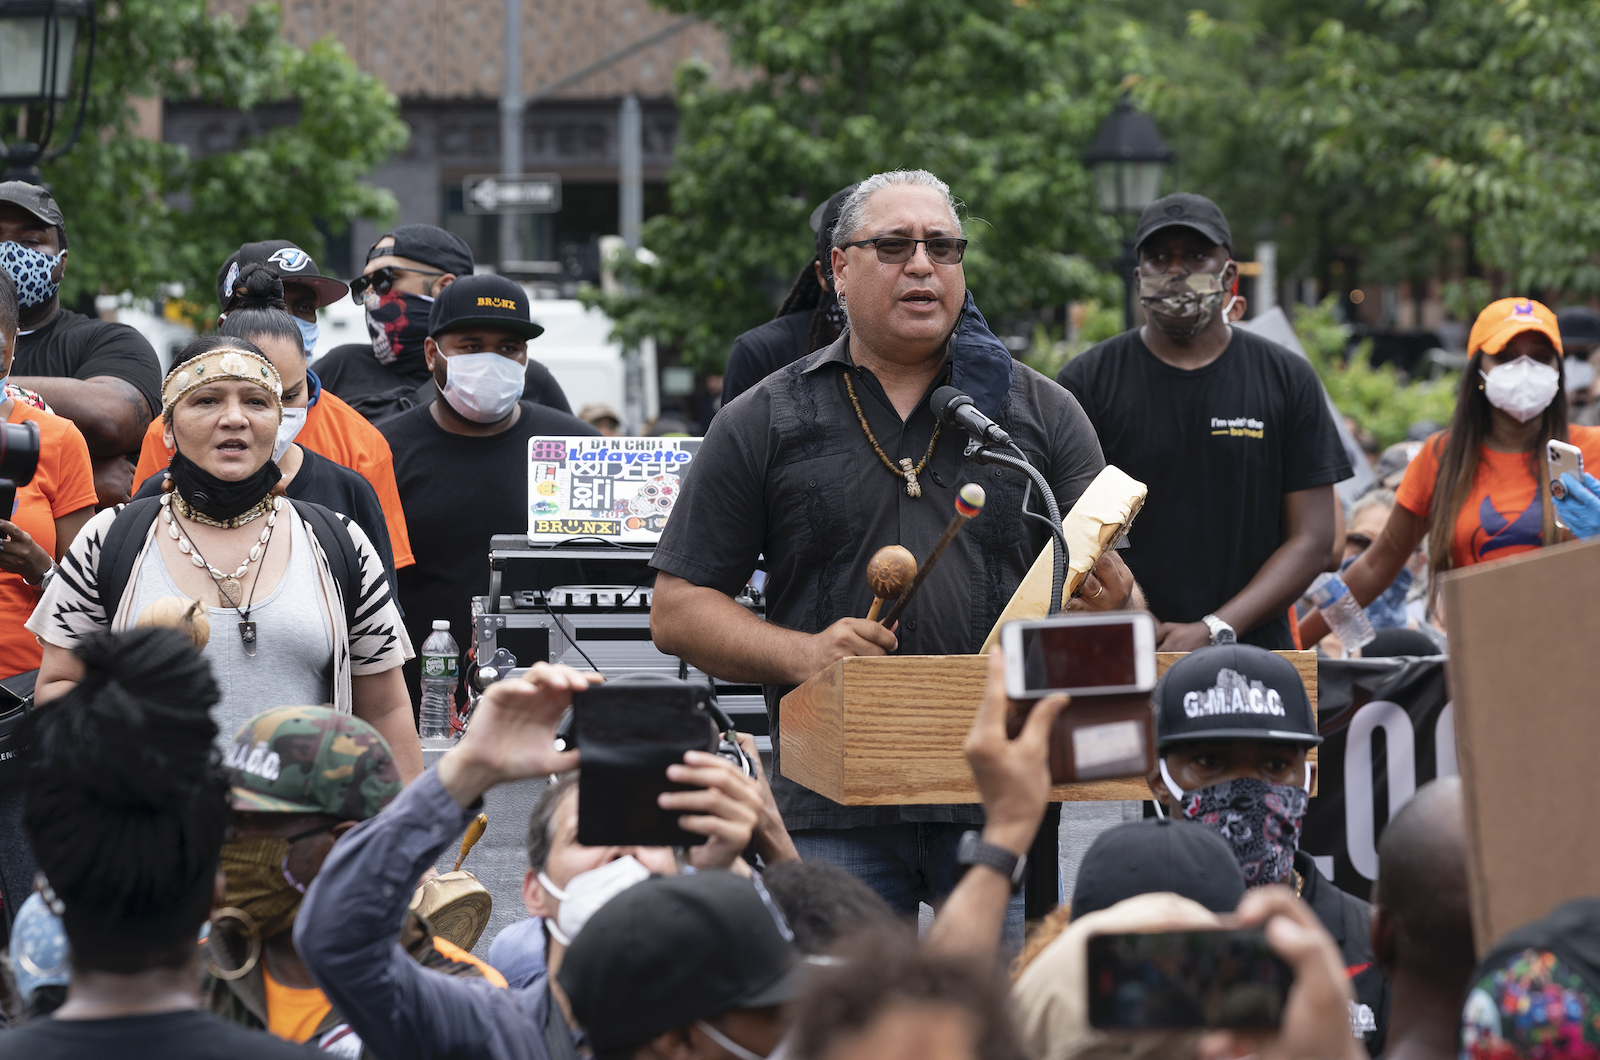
<point x="124" y="540"/>
<point x="344" y="562"/>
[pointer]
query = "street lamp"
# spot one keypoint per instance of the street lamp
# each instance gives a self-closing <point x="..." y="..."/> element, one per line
<point x="1128" y="156"/>
<point x="37" y="40"/>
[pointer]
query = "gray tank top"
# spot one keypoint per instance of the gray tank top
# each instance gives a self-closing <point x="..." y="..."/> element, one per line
<point x="293" y="664"/>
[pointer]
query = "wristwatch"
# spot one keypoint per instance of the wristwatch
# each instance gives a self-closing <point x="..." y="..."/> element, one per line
<point x="972" y="850"/>
<point x="1221" y="632"/>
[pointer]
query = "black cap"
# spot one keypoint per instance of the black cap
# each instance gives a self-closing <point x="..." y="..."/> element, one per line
<point x="288" y="262"/>
<point x="486" y="300"/>
<point x="34" y="199"/>
<point x="1188" y="210"/>
<point x="672" y="950"/>
<point x="826" y="215"/>
<point x="1580" y="326"/>
<point x="430" y="245"/>
<point x="1233" y="692"/>
<point x="1145" y="857"/>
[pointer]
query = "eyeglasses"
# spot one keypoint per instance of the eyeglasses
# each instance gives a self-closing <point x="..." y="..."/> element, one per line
<point x="381" y="281"/>
<point x="1361" y="541"/>
<point x="897" y="250"/>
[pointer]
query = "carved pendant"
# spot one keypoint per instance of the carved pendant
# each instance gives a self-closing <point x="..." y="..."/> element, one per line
<point x="247" y="636"/>
<point x="230" y="588"/>
<point x="913" y="488"/>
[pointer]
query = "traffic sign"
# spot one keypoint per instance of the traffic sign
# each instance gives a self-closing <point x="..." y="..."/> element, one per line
<point x="529" y="193"/>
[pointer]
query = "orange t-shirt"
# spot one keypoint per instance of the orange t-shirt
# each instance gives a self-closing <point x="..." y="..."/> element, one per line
<point x="63" y="484"/>
<point x="1502" y="515"/>
<point x="294" y="1014"/>
<point x="335" y="430"/>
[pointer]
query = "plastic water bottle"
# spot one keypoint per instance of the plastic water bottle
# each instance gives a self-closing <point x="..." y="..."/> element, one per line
<point x="439" y="660"/>
<point x="1344" y="616"/>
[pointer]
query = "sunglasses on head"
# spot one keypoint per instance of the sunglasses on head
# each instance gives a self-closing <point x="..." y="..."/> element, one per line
<point x="381" y="281"/>
<point x="897" y="250"/>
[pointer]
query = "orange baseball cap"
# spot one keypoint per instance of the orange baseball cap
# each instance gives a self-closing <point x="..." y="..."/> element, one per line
<point x="1502" y="321"/>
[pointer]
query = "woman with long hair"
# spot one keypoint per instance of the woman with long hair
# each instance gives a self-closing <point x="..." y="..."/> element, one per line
<point x="1480" y="489"/>
<point x="299" y="607"/>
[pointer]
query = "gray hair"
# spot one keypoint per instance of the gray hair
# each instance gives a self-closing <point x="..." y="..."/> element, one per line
<point x="851" y="214"/>
<point x="1379" y="498"/>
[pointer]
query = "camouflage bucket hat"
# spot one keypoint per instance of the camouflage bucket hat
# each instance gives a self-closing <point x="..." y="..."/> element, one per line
<point x="311" y="760"/>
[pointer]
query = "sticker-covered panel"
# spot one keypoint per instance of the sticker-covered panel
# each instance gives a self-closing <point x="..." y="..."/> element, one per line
<point x="614" y="489"/>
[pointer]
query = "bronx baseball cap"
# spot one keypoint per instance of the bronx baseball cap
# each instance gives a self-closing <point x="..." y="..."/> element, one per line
<point x="311" y="760"/>
<point x="430" y="245"/>
<point x="1159" y="854"/>
<point x="288" y="262"/>
<point x="487" y="300"/>
<point x="672" y="950"/>
<point x="1504" y="320"/>
<point x="1186" y="209"/>
<point x="34" y="199"/>
<point x="1233" y="692"/>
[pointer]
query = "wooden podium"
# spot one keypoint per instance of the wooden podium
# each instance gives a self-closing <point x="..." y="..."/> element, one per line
<point x="887" y="730"/>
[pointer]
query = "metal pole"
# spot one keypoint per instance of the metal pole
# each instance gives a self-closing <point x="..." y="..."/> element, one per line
<point x="511" y="107"/>
<point x="1267" y="280"/>
<point x="630" y="193"/>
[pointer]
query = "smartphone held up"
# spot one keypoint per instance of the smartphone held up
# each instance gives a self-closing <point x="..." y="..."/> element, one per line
<point x="1186" y="980"/>
<point x="1107" y="664"/>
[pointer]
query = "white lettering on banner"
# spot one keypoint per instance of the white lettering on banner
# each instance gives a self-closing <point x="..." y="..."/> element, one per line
<point x="1232" y="694"/>
<point x="1360" y="824"/>
<point x="1360" y="829"/>
<point x="1444" y="742"/>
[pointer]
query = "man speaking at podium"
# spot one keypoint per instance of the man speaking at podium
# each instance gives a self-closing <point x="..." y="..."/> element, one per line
<point x="837" y="455"/>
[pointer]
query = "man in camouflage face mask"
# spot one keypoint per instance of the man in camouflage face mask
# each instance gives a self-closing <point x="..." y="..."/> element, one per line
<point x="1182" y="304"/>
<point x="300" y="778"/>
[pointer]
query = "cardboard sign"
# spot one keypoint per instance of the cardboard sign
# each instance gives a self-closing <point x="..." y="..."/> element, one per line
<point x="615" y="489"/>
<point x="1527" y="718"/>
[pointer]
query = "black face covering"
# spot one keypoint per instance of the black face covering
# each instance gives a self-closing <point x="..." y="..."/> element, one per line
<point x="398" y="324"/>
<point x="211" y="496"/>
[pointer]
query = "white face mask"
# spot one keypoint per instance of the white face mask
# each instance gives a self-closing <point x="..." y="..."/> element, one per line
<point x="483" y="387"/>
<point x="288" y="431"/>
<point x="588" y="891"/>
<point x="1523" y="388"/>
<point x="740" y="1051"/>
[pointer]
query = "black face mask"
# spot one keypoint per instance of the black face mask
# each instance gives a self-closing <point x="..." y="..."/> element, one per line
<point x="214" y="498"/>
<point x="398" y="324"/>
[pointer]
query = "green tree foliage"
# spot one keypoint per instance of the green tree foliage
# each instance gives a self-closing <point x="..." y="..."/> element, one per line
<point x="1380" y="398"/>
<point x="997" y="97"/>
<point x="141" y="214"/>
<point x="1420" y="137"/>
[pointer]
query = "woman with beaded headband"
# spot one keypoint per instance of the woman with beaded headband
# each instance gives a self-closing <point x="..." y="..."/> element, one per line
<point x="283" y="632"/>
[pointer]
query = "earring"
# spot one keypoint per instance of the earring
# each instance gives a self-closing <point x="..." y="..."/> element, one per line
<point x="247" y="930"/>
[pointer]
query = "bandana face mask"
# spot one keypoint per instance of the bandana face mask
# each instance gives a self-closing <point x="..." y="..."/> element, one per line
<point x="1259" y="820"/>
<point x="398" y="324"/>
<point x="30" y="270"/>
<point x="257" y="870"/>
<point x="1183" y="305"/>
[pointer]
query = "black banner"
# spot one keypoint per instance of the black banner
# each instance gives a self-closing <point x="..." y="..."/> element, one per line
<point x="1388" y="728"/>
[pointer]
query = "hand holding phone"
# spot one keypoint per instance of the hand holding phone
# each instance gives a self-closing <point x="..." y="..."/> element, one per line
<point x="1187" y="980"/>
<point x="1562" y="457"/>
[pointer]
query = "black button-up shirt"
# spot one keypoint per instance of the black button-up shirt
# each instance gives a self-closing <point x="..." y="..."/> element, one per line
<point x="787" y="472"/>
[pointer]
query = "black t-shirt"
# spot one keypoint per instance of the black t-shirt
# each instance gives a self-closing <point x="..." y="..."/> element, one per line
<point x="763" y="350"/>
<point x="1218" y="448"/>
<point x="352" y="372"/>
<point x="458" y="491"/>
<point x="73" y="346"/>
<point x="337" y="489"/>
<point x="188" y="1035"/>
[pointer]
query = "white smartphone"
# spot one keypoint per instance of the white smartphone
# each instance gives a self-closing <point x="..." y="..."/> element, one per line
<point x="1562" y="457"/>
<point x="1080" y="654"/>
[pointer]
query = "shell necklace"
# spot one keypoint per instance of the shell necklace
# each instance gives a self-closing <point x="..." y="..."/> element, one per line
<point x="228" y="585"/>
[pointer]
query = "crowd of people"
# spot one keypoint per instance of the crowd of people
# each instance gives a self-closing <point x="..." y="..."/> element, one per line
<point x="210" y="844"/>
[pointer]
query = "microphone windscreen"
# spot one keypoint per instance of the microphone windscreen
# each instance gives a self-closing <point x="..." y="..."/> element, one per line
<point x="945" y="398"/>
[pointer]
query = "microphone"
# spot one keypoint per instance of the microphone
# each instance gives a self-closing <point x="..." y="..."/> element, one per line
<point x="956" y="409"/>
